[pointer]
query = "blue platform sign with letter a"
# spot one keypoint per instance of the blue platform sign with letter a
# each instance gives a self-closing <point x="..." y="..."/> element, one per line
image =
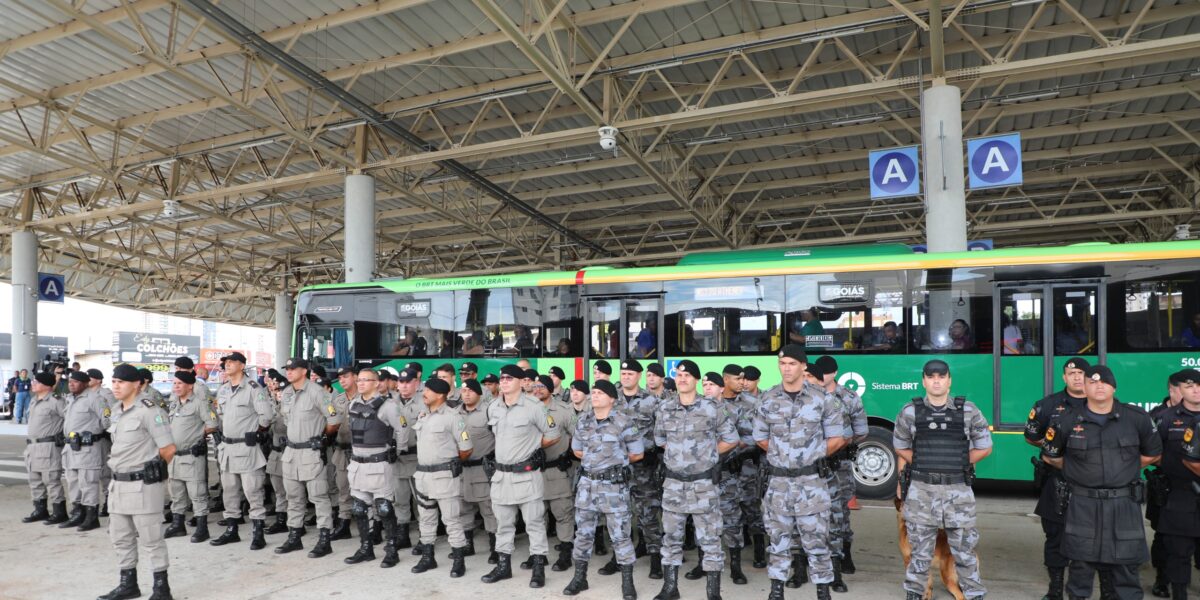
<point x="51" y="288"/>
<point x="994" y="161"/>
<point x="895" y="172"/>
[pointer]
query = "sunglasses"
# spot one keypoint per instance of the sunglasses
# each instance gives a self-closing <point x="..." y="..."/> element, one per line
<point x="507" y="378"/>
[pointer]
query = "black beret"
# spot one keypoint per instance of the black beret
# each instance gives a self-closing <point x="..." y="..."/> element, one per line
<point x="323" y="382"/>
<point x="125" y="372"/>
<point x="815" y="369"/>
<point x="558" y="372"/>
<point x="715" y="379"/>
<point x="690" y="367"/>
<point x="512" y="371"/>
<point x="581" y="385"/>
<point x="146" y="374"/>
<point x="631" y="364"/>
<point x="530" y="374"/>
<point x="603" y="367"/>
<point x="45" y="378"/>
<point x="276" y="375"/>
<point x="1101" y="373"/>
<point x="751" y="373"/>
<point x="347" y="371"/>
<point x="437" y="386"/>
<point x="607" y="387"/>
<point x="1076" y="362"/>
<point x="828" y="364"/>
<point x="656" y="369"/>
<point x="185" y="376"/>
<point x="296" y="362"/>
<point x="473" y="385"/>
<point x="469" y="367"/>
<point x="184" y="362"/>
<point x="320" y="372"/>
<point x="546" y="381"/>
<point x="80" y="376"/>
<point x="490" y="378"/>
<point x="732" y="369"/>
<point x="936" y="367"/>
<point x="95" y="374"/>
<point x="793" y="351"/>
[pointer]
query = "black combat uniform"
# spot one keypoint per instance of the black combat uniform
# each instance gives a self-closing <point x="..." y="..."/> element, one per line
<point x="1179" y="517"/>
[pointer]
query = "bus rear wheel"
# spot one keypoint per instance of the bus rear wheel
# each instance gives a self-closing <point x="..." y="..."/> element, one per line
<point x="875" y="467"/>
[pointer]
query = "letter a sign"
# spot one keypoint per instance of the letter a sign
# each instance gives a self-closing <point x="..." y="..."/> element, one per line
<point x="51" y="288"/>
<point x="894" y="172"/>
<point x="994" y="161"/>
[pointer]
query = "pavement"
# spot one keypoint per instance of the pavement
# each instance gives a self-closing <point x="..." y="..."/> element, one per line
<point x="47" y="562"/>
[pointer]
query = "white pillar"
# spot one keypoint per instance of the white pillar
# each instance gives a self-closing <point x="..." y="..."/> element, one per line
<point x="945" y="191"/>
<point x="283" y="328"/>
<point x="24" y="289"/>
<point x="359" y="232"/>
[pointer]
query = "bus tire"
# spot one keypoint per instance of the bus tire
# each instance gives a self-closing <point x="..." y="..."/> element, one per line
<point x="875" y="467"/>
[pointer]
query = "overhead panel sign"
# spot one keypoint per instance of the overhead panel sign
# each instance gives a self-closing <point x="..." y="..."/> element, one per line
<point x="994" y="161"/>
<point x="51" y="288"/>
<point x="894" y="172"/>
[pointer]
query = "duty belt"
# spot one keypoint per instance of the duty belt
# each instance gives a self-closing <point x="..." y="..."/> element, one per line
<point x="199" y="449"/>
<point x="81" y="437"/>
<point x="804" y="471"/>
<point x="688" y="477"/>
<point x="134" y="476"/>
<point x="474" y="462"/>
<point x="42" y="440"/>
<point x="374" y="458"/>
<point x="939" y="478"/>
<point x="310" y="444"/>
<point x="446" y="466"/>
<point x="521" y="467"/>
<point x="617" y="474"/>
<point x="1103" y="493"/>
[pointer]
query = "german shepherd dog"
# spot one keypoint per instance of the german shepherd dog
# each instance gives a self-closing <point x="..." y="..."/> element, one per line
<point x="941" y="557"/>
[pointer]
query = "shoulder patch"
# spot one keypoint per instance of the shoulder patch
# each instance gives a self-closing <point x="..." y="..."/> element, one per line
<point x="403" y="421"/>
<point x="1032" y="413"/>
<point x="549" y="419"/>
<point x="1187" y="435"/>
<point x="148" y="403"/>
<point x="465" y="436"/>
<point x="107" y="412"/>
<point x="1050" y="434"/>
<point x="158" y="418"/>
<point x="331" y="409"/>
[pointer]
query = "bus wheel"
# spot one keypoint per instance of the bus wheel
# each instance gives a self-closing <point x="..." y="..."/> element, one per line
<point x="875" y="467"/>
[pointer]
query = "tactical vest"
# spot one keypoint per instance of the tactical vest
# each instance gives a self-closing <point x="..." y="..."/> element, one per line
<point x="366" y="429"/>
<point x="941" y="444"/>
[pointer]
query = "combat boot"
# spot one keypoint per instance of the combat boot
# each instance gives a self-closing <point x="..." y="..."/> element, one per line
<point x="735" y="566"/>
<point x="1055" y="591"/>
<point x="127" y="588"/>
<point x="366" y="551"/>
<point x="341" y="530"/>
<point x="610" y="567"/>
<point x="58" y="513"/>
<point x="292" y="543"/>
<point x="162" y="588"/>
<point x="458" y="567"/>
<point x="670" y="587"/>
<point x="1160" y="589"/>
<point x="776" y="590"/>
<point x="698" y="571"/>
<point x="427" y="561"/>
<point x="1179" y="591"/>
<point x="502" y="571"/>
<point x="656" y="566"/>
<point x="390" y="556"/>
<point x="837" y="585"/>
<point x="799" y="571"/>
<point x="628" y="592"/>
<point x="712" y="587"/>
<point x="848" y="562"/>
<point x="492" y="557"/>
<point x="1108" y="590"/>
<point x="913" y="596"/>
<point x="564" y="557"/>
<point x="579" y="582"/>
<point x="538" y="579"/>
<point x="402" y="539"/>
<point x="200" y="534"/>
<point x="91" y="519"/>
<point x="823" y="592"/>
<point x="280" y="524"/>
<point x="104" y="508"/>
<point x="376" y="532"/>
<point x="258" y="541"/>
<point x="760" y="550"/>
<point x="469" y="549"/>
<point x="230" y="536"/>
<point x="39" y="512"/>
<point x="176" y="528"/>
<point x="323" y="547"/>
<point x="76" y="517"/>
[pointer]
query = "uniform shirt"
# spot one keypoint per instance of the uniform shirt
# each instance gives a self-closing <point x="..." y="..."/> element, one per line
<point x="607" y="442"/>
<point x="689" y="434"/>
<point x="389" y="412"/>
<point x="519" y="431"/>
<point x="45" y="420"/>
<point x="278" y="440"/>
<point x="189" y="419"/>
<point x="973" y="420"/>
<point x="856" y="413"/>
<point x="746" y="406"/>
<point x="109" y="399"/>
<point x="85" y="412"/>
<point x="138" y="432"/>
<point x="558" y="481"/>
<point x="1104" y="451"/>
<point x="475" y="484"/>
<point x="242" y="409"/>
<point x="342" y="401"/>
<point x="441" y="435"/>
<point x="307" y="412"/>
<point x="641" y="406"/>
<point x="796" y="426"/>
<point x="1047" y="409"/>
<point x="409" y="411"/>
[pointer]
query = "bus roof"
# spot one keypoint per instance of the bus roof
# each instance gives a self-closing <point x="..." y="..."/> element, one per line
<point x="760" y="263"/>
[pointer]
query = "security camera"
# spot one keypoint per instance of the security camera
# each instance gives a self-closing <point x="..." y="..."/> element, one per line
<point x="169" y="207"/>
<point x="608" y="137"/>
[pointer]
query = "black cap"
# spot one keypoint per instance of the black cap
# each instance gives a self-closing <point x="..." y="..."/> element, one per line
<point x="469" y="367"/>
<point x="581" y="385"/>
<point x="690" y="367"/>
<point x="1191" y="376"/>
<point x="512" y="371"/>
<point x="1076" y="362"/>
<point x="1101" y="373"/>
<point x="385" y="374"/>
<point x="490" y="378"/>
<point x="751" y="373"/>
<point x="404" y="375"/>
<point x="437" y="386"/>
<point x="715" y="378"/>
<point x="125" y="372"/>
<point x="607" y="387"/>
<point x="414" y="366"/>
<point x="815" y="369"/>
<point x="45" y="378"/>
<point x="186" y="376"/>
<point x="793" y="351"/>
<point x="276" y="375"/>
<point x="603" y="367"/>
<point x="656" y="369"/>
<point x="347" y="371"/>
<point x="558" y="372"/>
<point x="95" y="374"/>
<point x="147" y="376"/>
<point x="323" y="382"/>
<point x="234" y="356"/>
<point x="828" y="364"/>
<point x="473" y="385"/>
<point x="631" y="364"/>
<point x="732" y="369"/>
<point x="184" y="362"/>
<point x="530" y="374"/>
<point x="320" y="372"/>
<point x="669" y="384"/>
<point x="936" y="367"/>
<point x="80" y="376"/>
<point x="296" y="362"/>
<point x="445" y="368"/>
<point x="546" y="381"/>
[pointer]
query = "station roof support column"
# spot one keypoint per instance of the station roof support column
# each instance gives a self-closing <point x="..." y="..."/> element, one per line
<point x="25" y="294"/>
<point x="359" y="236"/>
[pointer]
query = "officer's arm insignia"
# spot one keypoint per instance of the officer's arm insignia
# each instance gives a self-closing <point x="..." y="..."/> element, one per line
<point x="107" y="412"/>
<point x="1187" y="435"/>
<point x="158" y="419"/>
<point x="1032" y="413"/>
<point x="403" y="421"/>
<point x="465" y="437"/>
<point x="1050" y="434"/>
<point x="148" y="403"/>
<point x="332" y="409"/>
<point x="550" y="420"/>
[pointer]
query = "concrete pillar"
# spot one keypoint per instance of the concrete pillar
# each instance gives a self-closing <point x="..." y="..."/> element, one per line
<point x="359" y="233"/>
<point x="283" y="328"/>
<point x="945" y="190"/>
<point x="24" y="289"/>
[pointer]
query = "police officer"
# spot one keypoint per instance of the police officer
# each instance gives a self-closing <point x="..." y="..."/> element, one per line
<point x="277" y="437"/>
<point x="142" y="447"/>
<point x="96" y="386"/>
<point x="601" y="371"/>
<point x="376" y="431"/>
<point x="43" y="459"/>
<point x="491" y="387"/>
<point x="1155" y="498"/>
<point x="1072" y="396"/>
<point x="442" y="444"/>
<point x="310" y="415"/>
<point x="523" y="427"/>
<point x="244" y="412"/>
<point x="339" y="456"/>
<point x="646" y="486"/>
<point x="842" y="464"/>
<point x="1179" y="521"/>
<point x="748" y="479"/>
<point x="606" y="442"/>
<point x="149" y="390"/>
<point x="725" y="389"/>
<point x="693" y="432"/>
<point x="85" y="423"/>
<point x="445" y="372"/>
<point x="797" y="426"/>
<point x="406" y="466"/>
<point x="557" y="376"/>
<point x="191" y="421"/>
<point x="1100" y="449"/>
<point x="469" y="371"/>
<point x="655" y="380"/>
<point x="476" y="487"/>
<point x="558" y="473"/>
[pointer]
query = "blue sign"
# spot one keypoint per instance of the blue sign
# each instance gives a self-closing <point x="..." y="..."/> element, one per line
<point x="994" y="161"/>
<point x="51" y="288"/>
<point x="671" y="364"/>
<point x="894" y="172"/>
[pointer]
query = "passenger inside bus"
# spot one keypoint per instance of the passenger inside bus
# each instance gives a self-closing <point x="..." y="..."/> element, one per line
<point x="805" y="325"/>
<point x="647" y="339"/>
<point x="1191" y="333"/>
<point x="960" y="335"/>
<point x="887" y="339"/>
<point x="1069" y="337"/>
<point x="473" y="345"/>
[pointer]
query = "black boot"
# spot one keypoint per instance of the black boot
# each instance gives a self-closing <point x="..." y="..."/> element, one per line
<point x="656" y="566"/>
<point x="280" y="524"/>
<point x="258" y="539"/>
<point x="469" y="549"/>
<point x="376" y="532"/>
<point x="799" y="571"/>
<point x="230" y="536"/>
<point x="1179" y="591"/>
<point x="458" y="567"/>
<point x="609" y="567"/>
<point x="176" y="528"/>
<point x="492" y="556"/>
<point x="502" y="571"/>
<point x="366" y="551"/>
<point x="1160" y="589"/>
<point x="760" y="550"/>
<point x="916" y="596"/>
<point x="823" y="592"/>
<point x="601" y="547"/>
<point x="167" y="515"/>
<point x="628" y="592"/>
<point x="201" y="532"/>
<point x="697" y="572"/>
<point x="735" y="566"/>
<point x="776" y="590"/>
<point x="162" y="588"/>
<point x="323" y="547"/>
<point x="341" y="530"/>
<point x="402" y="539"/>
<point x="191" y="521"/>
<point x="76" y="517"/>
<point x="837" y="585"/>
<point x="104" y="508"/>
<point x="225" y="521"/>
<point x="538" y="579"/>
<point x="91" y="519"/>
<point x="127" y="588"/>
<point x="427" y="561"/>
<point x="712" y="587"/>
<point x="847" y="561"/>
<point x="39" y="512"/>
<point x="564" y="557"/>
<point x="390" y="556"/>
<point x="291" y="544"/>
<point x="1053" y="592"/>
<point x="58" y="514"/>
<point x="670" y="587"/>
<point x="579" y="582"/>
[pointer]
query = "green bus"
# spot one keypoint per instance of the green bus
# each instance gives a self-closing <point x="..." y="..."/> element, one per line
<point x="1006" y="320"/>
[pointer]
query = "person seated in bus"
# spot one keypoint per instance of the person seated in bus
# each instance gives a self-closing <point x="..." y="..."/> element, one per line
<point x="887" y="338"/>
<point x="1069" y="337"/>
<point x="404" y="345"/>
<point x="1014" y="340"/>
<point x="524" y="344"/>
<point x="448" y="343"/>
<point x="960" y="335"/>
<point x="563" y="348"/>
<point x="690" y="344"/>
<point x="421" y="346"/>
<point x="806" y="324"/>
<point x="473" y="346"/>
<point x="1191" y="333"/>
<point x="647" y="339"/>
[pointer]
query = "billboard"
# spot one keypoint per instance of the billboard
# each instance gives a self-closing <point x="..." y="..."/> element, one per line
<point x="47" y="344"/>
<point x="155" y="351"/>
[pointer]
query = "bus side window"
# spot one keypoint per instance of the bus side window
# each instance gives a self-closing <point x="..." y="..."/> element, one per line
<point x="1161" y="312"/>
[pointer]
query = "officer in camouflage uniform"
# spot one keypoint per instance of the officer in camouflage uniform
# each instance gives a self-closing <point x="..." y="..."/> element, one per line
<point x="477" y="488"/>
<point x="838" y="516"/>
<point x="559" y="473"/>
<point x="405" y="468"/>
<point x="244" y="411"/>
<point x="606" y="441"/>
<point x="43" y="460"/>
<point x="278" y="440"/>
<point x="797" y="426"/>
<point x="191" y="421"/>
<point x="748" y="480"/>
<point x="693" y="432"/>
<point x="85" y="425"/>
<point x="725" y="390"/>
<point x="339" y="456"/>
<point x="940" y="439"/>
<point x="856" y="431"/>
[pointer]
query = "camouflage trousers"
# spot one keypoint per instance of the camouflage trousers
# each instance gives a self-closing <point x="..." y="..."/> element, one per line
<point x="732" y="519"/>
<point x="839" y="513"/>
<point x="798" y="510"/>
<point x="708" y="538"/>
<point x="751" y="497"/>
<point x="647" y="503"/>
<point x="594" y="499"/>
<point x="846" y="490"/>
<point x="929" y="508"/>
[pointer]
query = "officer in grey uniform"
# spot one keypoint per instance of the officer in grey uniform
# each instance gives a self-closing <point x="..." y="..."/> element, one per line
<point x="406" y="466"/>
<point x="646" y="484"/>
<point x="750" y="457"/>
<point x="693" y="432"/>
<point x="339" y="456"/>
<point x="96" y="386"/>
<point x="558" y="473"/>
<point x="797" y="426"/>
<point x="43" y="460"/>
<point x="142" y="447"/>
<point x="558" y="392"/>
<point x="491" y="387"/>
<point x="843" y="462"/>
<point x="245" y="413"/>
<point x="85" y="423"/>
<point x="191" y="421"/>
<point x="606" y="442"/>
<point x="940" y="439"/>
<point x="445" y="372"/>
<point x="523" y="427"/>
<point x="442" y="444"/>
<point x="476" y="488"/>
<point x="376" y="431"/>
<point x="278" y="440"/>
<point x="311" y="416"/>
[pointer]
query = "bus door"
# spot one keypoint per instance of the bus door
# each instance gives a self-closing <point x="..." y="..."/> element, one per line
<point x="621" y="328"/>
<point x="328" y="345"/>
<point x="1038" y="327"/>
